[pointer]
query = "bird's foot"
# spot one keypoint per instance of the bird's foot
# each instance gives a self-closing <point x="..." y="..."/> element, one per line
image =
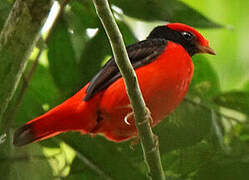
<point x="148" y="117"/>
<point x="134" y="142"/>
<point x="155" y="147"/>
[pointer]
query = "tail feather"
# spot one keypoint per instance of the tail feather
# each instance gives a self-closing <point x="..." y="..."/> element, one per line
<point x="72" y="115"/>
<point x="26" y="134"/>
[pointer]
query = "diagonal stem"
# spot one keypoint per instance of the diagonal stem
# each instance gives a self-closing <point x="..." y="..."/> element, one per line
<point x="17" y="39"/>
<point x="142" y="116"/>
<point x="41" y="44"/>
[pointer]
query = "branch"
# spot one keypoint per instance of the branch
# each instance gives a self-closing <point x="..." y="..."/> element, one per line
<point x="17" y="39"/>
<point x="41" y="44"/>
<point x="141" y="113"/>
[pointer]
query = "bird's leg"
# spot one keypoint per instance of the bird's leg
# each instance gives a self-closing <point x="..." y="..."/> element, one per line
<point x="137" y="139"/>
<point x="134" y="142"/>
<point x="148" y="116"/>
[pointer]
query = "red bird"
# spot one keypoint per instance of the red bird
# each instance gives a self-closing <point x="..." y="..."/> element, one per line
<point x="164" y="70"/>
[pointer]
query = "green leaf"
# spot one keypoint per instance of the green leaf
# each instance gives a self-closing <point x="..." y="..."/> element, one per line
<point x="62" y="60"/>
<point x="41" y="91"/>
<point x="82" y="14"/>
<point x="97" y="50"/>
<point x="24" y="163"/>
<point x="186" y="126"/>
<point x="164" y="10"/>
<point x="205" y="81"/>
<point x="224" y="169"/>
<point x="231" y="164"/>
<point x="246" y="86"/>
<point x="79" y="17"/>
<point x="128" y="36"/>
<point x="236" y="100"/>
<point x="217" y="135"/>
<point x="184" y="162"/>
<point x="244" y="132"/>
<point x="105" y="159"/>
<point x="79" y="170"/>
<point x="5" y="7"/>
<point x="82" y="175"/>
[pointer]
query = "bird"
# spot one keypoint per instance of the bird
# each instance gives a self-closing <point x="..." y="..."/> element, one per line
<point x="164" y="70"/>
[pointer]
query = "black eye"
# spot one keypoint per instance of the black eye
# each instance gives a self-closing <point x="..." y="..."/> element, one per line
<point x="188" y="36"/>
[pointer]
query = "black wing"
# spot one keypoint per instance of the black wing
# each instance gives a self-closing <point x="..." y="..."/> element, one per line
<point x="140" y="54"/>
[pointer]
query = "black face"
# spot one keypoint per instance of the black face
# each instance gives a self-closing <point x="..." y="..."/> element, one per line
<point x="186" y="39"/>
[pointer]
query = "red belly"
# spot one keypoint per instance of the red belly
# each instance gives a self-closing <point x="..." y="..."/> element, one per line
<point x="164" y="83"/>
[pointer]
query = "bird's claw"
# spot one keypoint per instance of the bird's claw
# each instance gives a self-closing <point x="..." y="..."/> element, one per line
<point x="134" y="142"/>
<point x="148" y="116"/>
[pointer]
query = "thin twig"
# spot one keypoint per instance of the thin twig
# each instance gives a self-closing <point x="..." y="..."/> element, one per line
<point x="141" y="113"/>
<point x="92" y="166"/>
<point x="88" y="162"/>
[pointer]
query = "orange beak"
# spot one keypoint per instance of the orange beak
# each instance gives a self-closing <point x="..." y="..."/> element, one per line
<point x="205" y="49"/>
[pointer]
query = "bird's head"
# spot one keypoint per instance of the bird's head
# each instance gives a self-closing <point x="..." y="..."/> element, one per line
<point x="185" y="35"/>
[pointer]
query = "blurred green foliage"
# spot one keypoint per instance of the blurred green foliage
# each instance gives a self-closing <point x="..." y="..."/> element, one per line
<point x="207" y="137"/>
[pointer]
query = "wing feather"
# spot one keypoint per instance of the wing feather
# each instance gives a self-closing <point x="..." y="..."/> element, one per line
<point x="140" y="54"/>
